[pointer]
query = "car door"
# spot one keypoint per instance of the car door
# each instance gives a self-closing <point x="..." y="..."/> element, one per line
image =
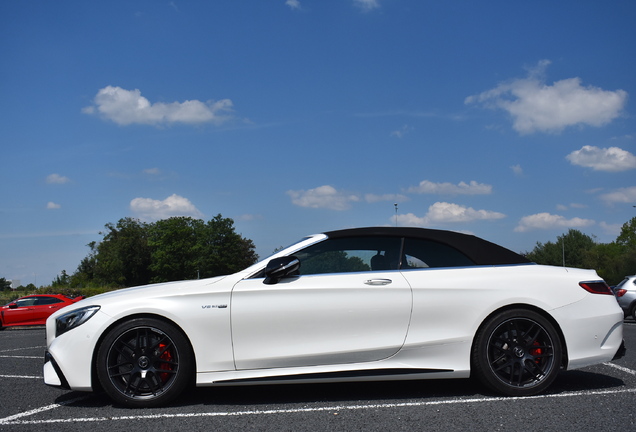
<point x="339" y="309"/>
<point x="20" y="314"/>
<point x="45" y="306"/>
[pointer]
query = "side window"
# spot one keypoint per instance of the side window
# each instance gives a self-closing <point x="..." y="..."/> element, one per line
<point x="42" y="301"/>
<point x="426" y="253"/>
<point x="26" y="302"/>
<point x="354" y="254"/>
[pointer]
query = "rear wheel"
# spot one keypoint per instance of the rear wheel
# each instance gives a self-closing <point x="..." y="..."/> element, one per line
<point x="517" y="353"/>
<point x="144" y="362"/>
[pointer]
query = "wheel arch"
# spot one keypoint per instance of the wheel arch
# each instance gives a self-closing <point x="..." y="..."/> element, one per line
<point x="543" y="313"/>
<point x="95" y="380"/>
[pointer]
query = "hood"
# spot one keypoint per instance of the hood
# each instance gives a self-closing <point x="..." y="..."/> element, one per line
<point x="164" y="289"/>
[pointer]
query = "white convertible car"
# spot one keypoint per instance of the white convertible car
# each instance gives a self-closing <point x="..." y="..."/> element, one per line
<point x="356" y="304"/>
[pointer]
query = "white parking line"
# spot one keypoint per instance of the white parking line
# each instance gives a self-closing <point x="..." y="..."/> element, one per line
<point x="621" y="368"/>
<point x="10" y="419"/>
<point x="14" y="420"/>
<point x="22" y="376"/>
<point x="22" y="349"/>
<point x="22" y="357"/>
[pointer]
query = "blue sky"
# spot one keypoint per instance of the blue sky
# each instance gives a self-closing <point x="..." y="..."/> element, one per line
<point x="513" y="121"/>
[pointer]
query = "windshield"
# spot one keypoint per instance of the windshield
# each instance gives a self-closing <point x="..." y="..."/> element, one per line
<point x="623" y="282"/>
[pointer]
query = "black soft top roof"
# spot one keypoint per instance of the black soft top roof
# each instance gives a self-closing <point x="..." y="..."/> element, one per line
<point x="481" y="251"/>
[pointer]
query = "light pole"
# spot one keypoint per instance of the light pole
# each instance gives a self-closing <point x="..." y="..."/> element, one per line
<point x="396" y="209"/>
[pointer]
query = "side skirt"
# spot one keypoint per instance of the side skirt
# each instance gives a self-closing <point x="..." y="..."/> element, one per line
<point x="361" y="375"/>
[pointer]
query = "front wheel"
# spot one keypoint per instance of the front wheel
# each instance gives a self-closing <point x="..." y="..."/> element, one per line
<point x="517" y="353"/>
<point x="144" y="362"/>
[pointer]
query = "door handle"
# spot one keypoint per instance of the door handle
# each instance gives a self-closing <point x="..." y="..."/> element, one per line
<point x="378" y="281"/>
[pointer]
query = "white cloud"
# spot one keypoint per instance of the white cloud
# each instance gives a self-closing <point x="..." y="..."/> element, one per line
<point x="578" y="206"/>
<point x="517" y="170"/>
<point x="367" y="5"/>
<point x="52" y="206"/>
<point x="250" y="217"/>
<point x="174" y="205"/>
<point x="563" y="207"/>
<point x="323" y="197"/>
<point x="443" y="212"/>
<point x="294" y="4"/>
<point x="625" y="195"/>
<point x="550" y="221"/>
<point x="536" y="106"/>
<point x="126" y="107"/>
<point x="410" y="219"/>
<point x="152" y="171"/>
<point x="57" y="179"/>
<point x="396" y="198"/>
<point x="611" y="159"/>
<point x="613" y="229"/>
<point x="462" y="188"/>
<point x="399" y="133"/>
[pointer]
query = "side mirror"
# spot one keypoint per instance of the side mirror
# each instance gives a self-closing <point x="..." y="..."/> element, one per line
<point x="279" y="268"/>
<point x="13" y="305"/>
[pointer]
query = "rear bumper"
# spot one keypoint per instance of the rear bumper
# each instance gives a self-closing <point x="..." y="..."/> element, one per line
<point x="621" y="351"/>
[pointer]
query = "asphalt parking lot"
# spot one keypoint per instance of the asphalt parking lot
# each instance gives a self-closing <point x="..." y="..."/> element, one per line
<point x="598" y="398"/>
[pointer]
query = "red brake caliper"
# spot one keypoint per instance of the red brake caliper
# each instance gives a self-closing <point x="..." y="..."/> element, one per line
<point x="536" y="351"/>
<point x="167" y="357"/>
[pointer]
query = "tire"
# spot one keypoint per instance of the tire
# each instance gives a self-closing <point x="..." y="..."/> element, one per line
<point x="633" y="314"/>
<point x="144" y="362"/>
<point x="517" y="353"/>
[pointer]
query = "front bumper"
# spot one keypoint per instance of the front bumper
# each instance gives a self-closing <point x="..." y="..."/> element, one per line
<point x="53" y="375"/>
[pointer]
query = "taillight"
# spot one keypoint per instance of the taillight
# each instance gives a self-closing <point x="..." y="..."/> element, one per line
<point x="596" y="287"/>
<point x="620" y="293"/>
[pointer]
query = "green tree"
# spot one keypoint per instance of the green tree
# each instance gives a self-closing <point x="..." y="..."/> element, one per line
<point x="608" y="261"/>
<point x="333" y="262"/>
<point x="571" y="249"/>
<point x="5" y="285"/>
<point x="612" y="261"/>
<point x="123" y="257"/>
<point x="627" y="237"/>
<point x="61" y="280"/>
<point x="85" y="274"/>
<point x="136" y="253"/>
<point x="627" y="240"/>
<point x="175" y="248"/>
<point x="223" y="251"/>
<point x="186" y="248"/>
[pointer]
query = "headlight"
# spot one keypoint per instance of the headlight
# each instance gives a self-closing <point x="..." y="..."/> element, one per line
<point x="73" y="319"/>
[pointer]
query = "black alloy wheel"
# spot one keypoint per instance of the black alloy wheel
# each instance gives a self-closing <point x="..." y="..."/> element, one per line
<point x="144" y="362"/>
<point x="517" y="353"/>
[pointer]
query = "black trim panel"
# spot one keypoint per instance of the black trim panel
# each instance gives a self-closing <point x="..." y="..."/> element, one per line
<point x="338" y="375"/>
<point x="64" y="383"/>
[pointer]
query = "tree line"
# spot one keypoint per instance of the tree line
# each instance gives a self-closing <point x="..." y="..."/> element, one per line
<point x="134" y="253"/>
<point x="612" y="261"/>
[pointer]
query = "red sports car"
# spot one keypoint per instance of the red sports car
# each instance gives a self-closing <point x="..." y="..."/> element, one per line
<point x="33" y="309"/>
